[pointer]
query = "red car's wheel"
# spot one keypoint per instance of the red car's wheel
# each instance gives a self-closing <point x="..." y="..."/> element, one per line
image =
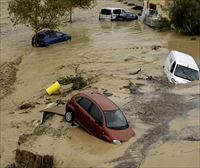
<point x="69" y="115"/>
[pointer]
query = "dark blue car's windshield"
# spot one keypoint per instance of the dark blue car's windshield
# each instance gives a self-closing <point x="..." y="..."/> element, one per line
<point x="116" y="120"/>
<point x="129" y="14"/>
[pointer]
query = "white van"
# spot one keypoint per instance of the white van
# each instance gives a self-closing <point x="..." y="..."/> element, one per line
<point x="181" y="68"/>
<point x="108" y="13"/>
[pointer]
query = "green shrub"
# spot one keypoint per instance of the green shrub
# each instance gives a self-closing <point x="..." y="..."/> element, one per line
<point x="164" y="24"/>
<point x="78" y="81"/>
<point x="185" y="16"/>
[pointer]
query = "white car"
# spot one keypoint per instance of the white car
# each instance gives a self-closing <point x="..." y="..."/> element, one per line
<point x="108" y="13"/>
<point x="181" y="68"/>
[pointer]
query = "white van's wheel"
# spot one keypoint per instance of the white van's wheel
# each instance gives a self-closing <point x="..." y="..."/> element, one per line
<point x="69" y="116"/>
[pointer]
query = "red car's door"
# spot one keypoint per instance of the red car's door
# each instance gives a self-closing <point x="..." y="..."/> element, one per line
<point x="95" y="120"/>
<point x="82" y="115"/>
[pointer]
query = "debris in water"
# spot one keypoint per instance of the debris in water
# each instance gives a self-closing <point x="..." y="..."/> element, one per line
<point x="23" y="138"/>
<point x="134" y="73"/>
<point x="108" y="94"/>
<point x="26" y="106"/>
<point x="193" y="38"/>
<point x="133" y="88"/>
<point x="54" y="88"/>
<point x="155" y="47"/>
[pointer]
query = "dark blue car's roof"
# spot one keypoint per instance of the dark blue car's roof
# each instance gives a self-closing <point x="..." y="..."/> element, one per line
<point x="127" y="13"/>
<point x="45" y="32"/>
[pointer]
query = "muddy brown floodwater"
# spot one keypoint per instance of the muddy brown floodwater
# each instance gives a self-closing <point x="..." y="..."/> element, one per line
<point x="164" y="117"/>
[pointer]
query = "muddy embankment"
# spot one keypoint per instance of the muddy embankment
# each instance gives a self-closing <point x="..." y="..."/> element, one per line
<point x="8" y="71"/>
<point x="153" y="113"/>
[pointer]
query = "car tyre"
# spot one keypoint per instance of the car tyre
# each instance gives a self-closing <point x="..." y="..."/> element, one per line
<point x="69" y="116"/>
<point x="32" y="42"/>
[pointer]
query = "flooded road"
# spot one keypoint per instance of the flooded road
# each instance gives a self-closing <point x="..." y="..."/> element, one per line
<point x="106" y="51"/>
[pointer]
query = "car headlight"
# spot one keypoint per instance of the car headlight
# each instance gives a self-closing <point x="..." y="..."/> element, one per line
<point x="116" y="141"/>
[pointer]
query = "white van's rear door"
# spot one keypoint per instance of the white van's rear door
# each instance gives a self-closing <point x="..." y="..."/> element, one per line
<point x="105" y="14"/>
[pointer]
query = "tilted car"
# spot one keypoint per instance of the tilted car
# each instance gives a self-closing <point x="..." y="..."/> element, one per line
<point x="127" y="16"/>
<point x="181" y="68"/>
<point x="47" y="37"/>
<point x="99" y="116"/>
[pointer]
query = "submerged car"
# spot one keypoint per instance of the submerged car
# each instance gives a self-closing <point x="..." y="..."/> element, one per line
<point x="108" y="13"/>
<point x="99" y="116"/>
<point x="47" y="37"/>
<point x="126" y="16"/>
<point x="181" y="68"/>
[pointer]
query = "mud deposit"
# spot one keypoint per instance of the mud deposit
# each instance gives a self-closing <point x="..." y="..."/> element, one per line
<point x="157" y="110"/>
<point x="8" y="73"/>
<point x="122" y="60"/>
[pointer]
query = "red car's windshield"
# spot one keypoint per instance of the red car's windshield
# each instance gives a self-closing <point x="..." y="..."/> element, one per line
<point x="115" y="120"/>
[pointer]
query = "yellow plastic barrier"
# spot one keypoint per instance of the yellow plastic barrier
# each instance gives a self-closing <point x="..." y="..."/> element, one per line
<point x="53" y="88"/>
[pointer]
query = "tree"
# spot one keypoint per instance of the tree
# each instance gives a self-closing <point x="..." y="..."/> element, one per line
<point x="82" y="4"/>
<point x="38" y="14"/>
<point x="185" y="16"/>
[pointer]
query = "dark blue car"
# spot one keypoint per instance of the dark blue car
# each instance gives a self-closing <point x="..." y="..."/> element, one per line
<point x="47" y="37"/>
<point x="126" y="16"/>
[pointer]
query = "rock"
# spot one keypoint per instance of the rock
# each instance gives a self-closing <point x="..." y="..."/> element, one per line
<point x="26" y="159"/>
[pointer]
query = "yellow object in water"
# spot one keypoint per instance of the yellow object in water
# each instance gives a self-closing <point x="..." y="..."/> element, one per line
<point x="53" y="88"/>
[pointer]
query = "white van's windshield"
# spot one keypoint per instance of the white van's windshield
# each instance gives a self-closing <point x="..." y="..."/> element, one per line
<point x="186" y="73"/>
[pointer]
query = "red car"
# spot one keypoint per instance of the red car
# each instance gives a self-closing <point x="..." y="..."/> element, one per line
<point x="99" y="116"/>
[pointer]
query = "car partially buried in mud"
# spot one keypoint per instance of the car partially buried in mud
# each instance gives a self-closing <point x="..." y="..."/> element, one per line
<point x="99" y="116"/>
